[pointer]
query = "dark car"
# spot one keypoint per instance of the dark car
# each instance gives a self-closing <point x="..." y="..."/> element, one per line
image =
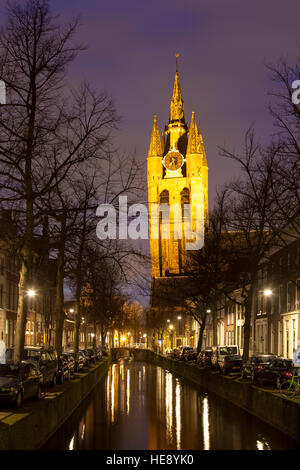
<point x="85" y="356"/>
<point x="71" y="361"/>
<point x="92" y="354"/>
<point x="98" y="351"/>
<point x="46" y="358"/>
<point x="256" y="363"/>
<point x="177" y="352"/>
<point x="204" y="357"/>
<point x="172" y="353"/>
<point x="63" y="371"/>
<point x="79" y="359"/>
<point x="190" y="354"/>
<point x="232" y="363"/>
<point x="20" y="382"/>
<point x="277" y="371"/>
<point x="184" y="350"/>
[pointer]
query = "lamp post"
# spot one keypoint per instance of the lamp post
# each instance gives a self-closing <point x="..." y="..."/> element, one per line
<point x="171" y="328"/>
<point x="31" y="293"/>
<point x="179" y="328"/>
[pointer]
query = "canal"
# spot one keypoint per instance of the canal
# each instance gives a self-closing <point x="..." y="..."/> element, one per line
<point x="142" y="406"/>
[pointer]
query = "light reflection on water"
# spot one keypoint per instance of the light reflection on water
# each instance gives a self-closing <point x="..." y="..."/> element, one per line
<point x="141" y="406"/>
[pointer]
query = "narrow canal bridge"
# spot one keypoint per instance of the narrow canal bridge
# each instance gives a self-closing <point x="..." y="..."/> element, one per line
<point x="131" y="353"/>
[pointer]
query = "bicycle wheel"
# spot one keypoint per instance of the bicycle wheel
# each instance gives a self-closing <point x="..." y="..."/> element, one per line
<point x="288" y="389"/>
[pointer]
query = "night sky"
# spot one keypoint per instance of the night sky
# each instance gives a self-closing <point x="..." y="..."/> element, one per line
<point x="223" y="45"/>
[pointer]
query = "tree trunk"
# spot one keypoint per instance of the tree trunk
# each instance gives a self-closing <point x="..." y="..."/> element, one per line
<point x="247" y="324"/>
<point x="59" y="301"/>
<point x="201" y="331"/>
<point x="215" y="321"/>
<point x="22" y="312"/>
<point x="77" y="320"/>
<point x="85" y="337"/>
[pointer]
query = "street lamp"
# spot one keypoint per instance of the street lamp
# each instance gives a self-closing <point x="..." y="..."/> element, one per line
<point x="208" y="311"/>
<point x="31" y="293"/>
<point x="268" y="292"/>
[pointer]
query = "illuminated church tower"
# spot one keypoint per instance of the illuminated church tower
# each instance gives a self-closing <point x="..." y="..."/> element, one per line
<point x="177" y="174"/>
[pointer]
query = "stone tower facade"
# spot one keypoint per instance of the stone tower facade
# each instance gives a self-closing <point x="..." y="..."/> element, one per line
<point x="177" y="173"/>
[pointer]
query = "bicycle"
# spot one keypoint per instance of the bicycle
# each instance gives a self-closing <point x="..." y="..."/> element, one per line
<point x="290" y="387"/>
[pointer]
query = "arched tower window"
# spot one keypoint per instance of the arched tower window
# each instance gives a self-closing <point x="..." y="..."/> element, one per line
<point x="185" y="196"/>
<point x="164" y="197"/>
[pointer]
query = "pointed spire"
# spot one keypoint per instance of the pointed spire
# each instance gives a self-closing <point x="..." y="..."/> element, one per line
<point x="163" y="142"/>
<point x="201" y="145"/>
<point x="176" y="108"/>
<point x="193" y="142"/>
<point x="155" y="142"/>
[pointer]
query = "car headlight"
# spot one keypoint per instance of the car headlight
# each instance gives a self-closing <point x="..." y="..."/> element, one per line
<point x="8" y="389"/>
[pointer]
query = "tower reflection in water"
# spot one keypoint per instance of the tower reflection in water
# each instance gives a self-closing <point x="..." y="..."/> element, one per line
<point x="142" y="406"/>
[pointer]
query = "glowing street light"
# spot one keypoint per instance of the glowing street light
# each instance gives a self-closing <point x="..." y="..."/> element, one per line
<point x="168" y="321"/>
<point x="31" y="293"/>
<point x="71" y="310"/>
<point x="268" y="292"/>
<point x="179" y="318"/>
<point x="171" y="327"/>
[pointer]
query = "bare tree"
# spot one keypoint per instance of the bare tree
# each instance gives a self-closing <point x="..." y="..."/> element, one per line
<point x="43" y="134"/>
<point x="252" y="207"/>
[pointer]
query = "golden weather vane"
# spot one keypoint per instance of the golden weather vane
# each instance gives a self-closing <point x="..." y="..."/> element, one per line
<point x="177" y="55"/>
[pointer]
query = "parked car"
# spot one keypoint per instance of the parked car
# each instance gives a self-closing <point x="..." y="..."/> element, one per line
<point x="45" y="357"/>
<point x="277" y="371"/>
<point x="177" y="352"/>
<point x="99" y="352"/>
<point x="190" y="354"/>
<point x="183" y="351"/>
<point x="79" y="360"/>
<point x="86" y="356"/>
<point x="218" y="353"/>
<point x="204" y="357"/>
<point x="256" y="363"/>
<point x="71" y="361"/>
<point x="63" y="370"/>
<point x="172" y="353"/>
<point x="20" y="382"/>
<point x="92" y="354"/>
<point x="232" y="363"/>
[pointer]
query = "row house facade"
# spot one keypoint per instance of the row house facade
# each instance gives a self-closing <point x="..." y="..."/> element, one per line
<point x="40" y="319"/>
<point x="275" y="318"/>
<point x="276" y="322"/>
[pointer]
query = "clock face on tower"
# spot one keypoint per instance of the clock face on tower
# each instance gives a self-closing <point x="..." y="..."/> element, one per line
<point x="173" y="160"/>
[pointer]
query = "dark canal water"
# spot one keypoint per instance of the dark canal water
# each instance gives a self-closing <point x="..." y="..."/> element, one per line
<point x="141" y="406"/>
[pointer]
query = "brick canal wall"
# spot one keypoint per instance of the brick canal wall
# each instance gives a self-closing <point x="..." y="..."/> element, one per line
<point x="35" y="422"/>
<point x="268" y="405"/>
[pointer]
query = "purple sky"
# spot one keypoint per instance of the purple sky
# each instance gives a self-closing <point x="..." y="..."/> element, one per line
<point x="223" y="47"/>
